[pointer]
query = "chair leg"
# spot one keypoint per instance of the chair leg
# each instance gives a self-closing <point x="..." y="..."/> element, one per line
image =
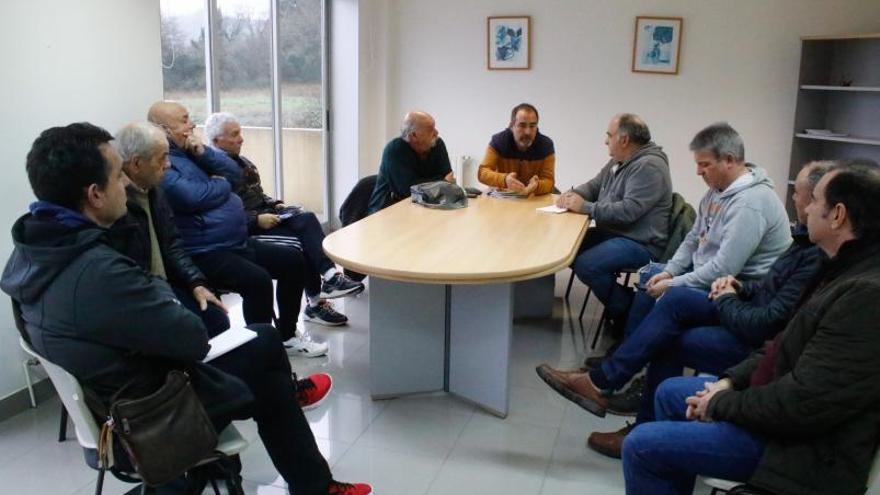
<point x="99" y="485"/>
<point x="584" y="306"/>
<point x="214" y="485"/>
<point x="26" y="365"/>
<point x="599" y="328"/>
<point x="570" y="283"/>
<point x="62" y="427"/>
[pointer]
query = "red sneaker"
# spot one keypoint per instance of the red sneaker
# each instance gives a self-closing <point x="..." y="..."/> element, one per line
<point x="339" y="488"/>
<point x="311" y="391"/>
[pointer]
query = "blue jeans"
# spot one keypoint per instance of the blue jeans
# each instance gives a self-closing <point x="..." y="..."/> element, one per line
<point x="679" y="309"/>
<point x="707" y="349"/>
<point x="664" y="457"/>
<point x="602" y="256"/>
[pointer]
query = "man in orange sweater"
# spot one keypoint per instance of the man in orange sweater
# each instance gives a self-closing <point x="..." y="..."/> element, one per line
<point x="520" y="158"/>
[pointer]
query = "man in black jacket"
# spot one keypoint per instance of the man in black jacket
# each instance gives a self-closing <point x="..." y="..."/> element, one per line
<point x="147" y="235"/>
<point x="801" y="416"/>
<point x="713" y="334"/>
<point x="105" y="320"/>
<point x="270" y="220"/>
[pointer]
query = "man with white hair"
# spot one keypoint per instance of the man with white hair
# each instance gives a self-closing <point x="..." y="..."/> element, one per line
<point x="212" y="223"/>
<point x="417" y="156"/>
<point x="147" y="235"/>
<point x="270" y="220"/>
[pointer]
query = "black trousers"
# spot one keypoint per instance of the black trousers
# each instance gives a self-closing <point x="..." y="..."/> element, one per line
<point x="305" y="226"/>
<point x="263" y="366"/>
<point x="250" y="272"/>
<point x="214" y="318"/>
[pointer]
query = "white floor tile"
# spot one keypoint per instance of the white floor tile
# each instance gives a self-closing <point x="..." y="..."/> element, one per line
<point x="414" y="430"/>
<point x="390" y="473"/>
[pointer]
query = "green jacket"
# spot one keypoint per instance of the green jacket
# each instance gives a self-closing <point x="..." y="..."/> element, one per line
<point x="821" y="411"/>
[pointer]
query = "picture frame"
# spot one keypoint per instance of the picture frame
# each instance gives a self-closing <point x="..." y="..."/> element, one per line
<point x="509" y="42"/>
<point x="657" y="44"/>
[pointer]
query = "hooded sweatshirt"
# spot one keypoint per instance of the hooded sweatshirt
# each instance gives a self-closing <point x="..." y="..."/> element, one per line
<point x="633" y="198"/>
<point x="739" y="231"/>
<point x="91" y="310"/>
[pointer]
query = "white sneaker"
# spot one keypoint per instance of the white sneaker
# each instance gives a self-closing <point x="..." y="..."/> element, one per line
<point x="306" y="347"/>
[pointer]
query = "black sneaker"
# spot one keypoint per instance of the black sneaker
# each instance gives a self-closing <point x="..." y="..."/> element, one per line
<point x="324" y="314"/>
<point x="340" y="286"/>
<point x="628" y="402"/>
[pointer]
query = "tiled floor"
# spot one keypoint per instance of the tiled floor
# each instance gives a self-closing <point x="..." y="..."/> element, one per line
<point x="430" y="444"/>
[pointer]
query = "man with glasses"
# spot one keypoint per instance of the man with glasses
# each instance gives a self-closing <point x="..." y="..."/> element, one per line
<point x="520" y="158"/>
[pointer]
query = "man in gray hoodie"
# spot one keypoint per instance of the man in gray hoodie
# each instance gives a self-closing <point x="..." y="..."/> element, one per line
<point x="630" y="200"/>
<point x="741" y="229"/>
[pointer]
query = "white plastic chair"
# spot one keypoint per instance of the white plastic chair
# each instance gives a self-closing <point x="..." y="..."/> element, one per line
<point x="229" y="441"/>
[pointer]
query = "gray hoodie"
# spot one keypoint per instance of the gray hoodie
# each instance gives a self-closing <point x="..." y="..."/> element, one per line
<point x="634" y="201"/>
<point x="740" y="231"/>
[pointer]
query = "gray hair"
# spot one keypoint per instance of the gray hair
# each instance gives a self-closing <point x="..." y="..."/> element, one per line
<point x="721" y="140"/>
<point x="138" y="139"/>
<point x="215" y="126"/>
<point x="817" y="169"/>
<point x="634" y="127"/>
<point x="408" y="126"/>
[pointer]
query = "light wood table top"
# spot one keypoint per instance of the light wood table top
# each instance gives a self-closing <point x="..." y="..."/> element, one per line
<point x="490" y="241"/>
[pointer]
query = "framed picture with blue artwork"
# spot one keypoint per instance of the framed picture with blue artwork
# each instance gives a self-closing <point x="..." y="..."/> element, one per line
<point x="657" y="44"/>
<point x="509" y="41"/>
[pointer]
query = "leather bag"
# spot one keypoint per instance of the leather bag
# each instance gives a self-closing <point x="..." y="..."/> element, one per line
<point x="164" y="433"/>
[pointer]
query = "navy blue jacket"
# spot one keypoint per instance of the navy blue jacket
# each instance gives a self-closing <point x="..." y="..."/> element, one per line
<point x="209" y="216"/>
<point x="763" y="307"/>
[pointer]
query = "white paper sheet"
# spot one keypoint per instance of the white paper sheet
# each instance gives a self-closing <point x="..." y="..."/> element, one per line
<point x="227" y="341"/>
<point x="551" y="209"/>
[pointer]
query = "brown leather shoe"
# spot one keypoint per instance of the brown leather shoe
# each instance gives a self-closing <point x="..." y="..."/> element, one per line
<point x="609" y="443"/>
<point x="575" y="386"/>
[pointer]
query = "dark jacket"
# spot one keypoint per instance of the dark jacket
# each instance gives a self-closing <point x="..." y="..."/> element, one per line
<point x="762" y="308"/>
<point x="402" y="168"/>
<point x="208" y="215"/>
<point x="250" y="190"/>
<point x="821" y="412"/>
<point x="93" y="311"/>
<point x="681" y="220"/>
<point x="131" y="236"/>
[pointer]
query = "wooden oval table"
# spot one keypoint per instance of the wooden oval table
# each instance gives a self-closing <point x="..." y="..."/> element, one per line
<point x="441" y="294"/>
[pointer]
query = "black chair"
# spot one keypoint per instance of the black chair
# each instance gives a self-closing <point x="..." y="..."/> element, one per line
<point x="355" y="207"/>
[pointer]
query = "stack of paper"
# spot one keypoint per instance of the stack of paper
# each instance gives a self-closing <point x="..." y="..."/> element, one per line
<point x="506" y="194"/>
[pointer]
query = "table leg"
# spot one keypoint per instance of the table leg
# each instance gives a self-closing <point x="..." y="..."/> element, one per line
<point x="534" y="298"/>
<point x="480" y="326"/>
<point x="407" y="337"/>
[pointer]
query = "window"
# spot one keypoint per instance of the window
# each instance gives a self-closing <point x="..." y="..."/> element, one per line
<point x="276" y="93"/>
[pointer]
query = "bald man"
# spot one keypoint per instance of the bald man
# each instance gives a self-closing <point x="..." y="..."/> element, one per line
<point x="417" y="156"/>
<point x="212" y="223"/>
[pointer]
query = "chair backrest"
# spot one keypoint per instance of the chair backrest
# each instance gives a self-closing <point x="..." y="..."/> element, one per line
<point x="73" y="398"/>
<point x="357" y="203"/>
<point x="874" y="476"/>
<point x="681" y="220"/>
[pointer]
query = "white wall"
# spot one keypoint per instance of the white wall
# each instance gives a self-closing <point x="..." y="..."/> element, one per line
<point x="739" y="62"/>
<point x="89" y="60"/>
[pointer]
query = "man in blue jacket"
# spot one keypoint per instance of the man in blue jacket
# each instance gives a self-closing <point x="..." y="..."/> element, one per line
<point x="213" y="226"/>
